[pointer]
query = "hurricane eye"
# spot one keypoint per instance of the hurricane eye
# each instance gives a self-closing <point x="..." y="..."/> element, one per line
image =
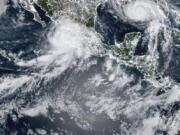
<point x="143" y="11"/>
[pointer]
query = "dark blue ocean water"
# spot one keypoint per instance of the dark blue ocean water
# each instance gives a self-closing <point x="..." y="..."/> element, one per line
<point x="25" y="38"/>
<point x="20" y="35"/>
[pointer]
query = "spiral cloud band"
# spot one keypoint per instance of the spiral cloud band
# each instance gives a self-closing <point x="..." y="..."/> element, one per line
<point x="140" y="10"/>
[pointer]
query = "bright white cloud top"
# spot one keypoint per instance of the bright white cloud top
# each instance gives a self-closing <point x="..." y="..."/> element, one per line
<point x="143" y="10"/>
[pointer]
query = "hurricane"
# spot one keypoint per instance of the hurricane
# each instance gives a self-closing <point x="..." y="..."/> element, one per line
<point x="144" y="11"/>
<point x="90" y="67"/>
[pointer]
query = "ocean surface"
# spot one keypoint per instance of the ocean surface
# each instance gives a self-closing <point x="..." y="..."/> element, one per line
<point x="60" y="79"/>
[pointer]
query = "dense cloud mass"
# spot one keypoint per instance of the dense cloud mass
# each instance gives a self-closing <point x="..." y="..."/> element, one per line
<point x="108" y="68"/>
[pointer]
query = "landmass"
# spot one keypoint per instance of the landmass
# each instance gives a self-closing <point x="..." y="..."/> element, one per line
<point x="82" y="11"/>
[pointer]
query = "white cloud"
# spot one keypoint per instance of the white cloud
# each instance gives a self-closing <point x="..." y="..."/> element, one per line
<point x="3" y="6"/>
